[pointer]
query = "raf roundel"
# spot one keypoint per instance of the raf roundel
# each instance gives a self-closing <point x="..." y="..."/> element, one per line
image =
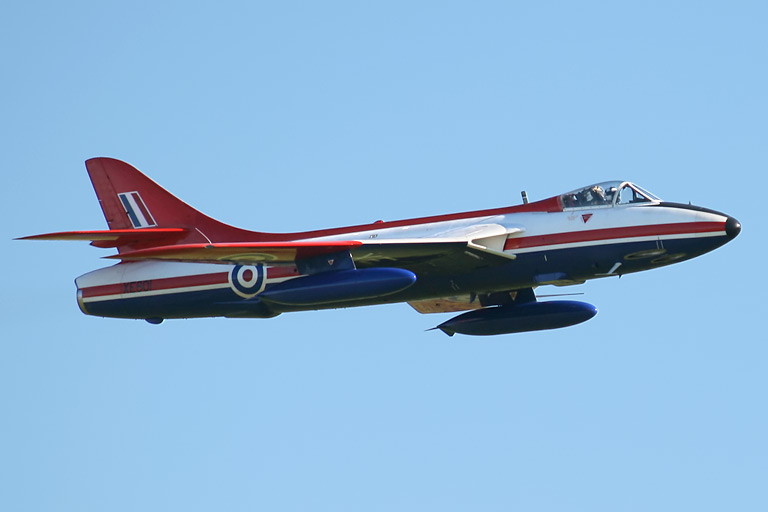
<point x="247" y="280"/>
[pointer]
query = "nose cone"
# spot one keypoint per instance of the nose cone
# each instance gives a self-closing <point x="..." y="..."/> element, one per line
<point x="732" y="228"/>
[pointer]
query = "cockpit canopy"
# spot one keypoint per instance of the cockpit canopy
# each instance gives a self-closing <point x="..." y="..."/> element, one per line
<point x="608" y="193"/>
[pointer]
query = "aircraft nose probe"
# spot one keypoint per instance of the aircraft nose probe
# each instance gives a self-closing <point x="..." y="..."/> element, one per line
<point x="732" y="228"/>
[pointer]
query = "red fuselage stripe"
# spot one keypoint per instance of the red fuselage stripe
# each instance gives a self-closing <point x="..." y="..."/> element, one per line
<point x="278" y="272"/>
<point x="613" y="233"/>
<point x="170" y="283"/>
<point x="545" y="205"/>
<point x="166" y="283"/>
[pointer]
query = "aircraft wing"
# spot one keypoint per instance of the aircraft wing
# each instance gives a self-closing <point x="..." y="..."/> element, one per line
<point x="427" y="257"/>
<point x="366" y="254"/>
<point x="454" y="250"/>
<point x="421" y="255"/>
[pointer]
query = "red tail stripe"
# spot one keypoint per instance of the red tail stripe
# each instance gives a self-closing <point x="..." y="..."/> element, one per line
<point x="144" y="211"/>
<point x="612" y="233"/>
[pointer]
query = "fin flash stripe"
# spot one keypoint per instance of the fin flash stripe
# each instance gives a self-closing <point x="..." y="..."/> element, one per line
<point x="136" y="210"/>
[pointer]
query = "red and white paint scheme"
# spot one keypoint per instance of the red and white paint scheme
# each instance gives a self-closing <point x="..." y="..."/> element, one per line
<point x="176" y="262"/>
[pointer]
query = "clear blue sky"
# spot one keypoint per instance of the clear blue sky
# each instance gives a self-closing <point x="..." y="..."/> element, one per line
<point x="287" y="116"/>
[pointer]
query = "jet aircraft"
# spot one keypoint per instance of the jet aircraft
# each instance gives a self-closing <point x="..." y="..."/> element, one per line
<point x="176" y="262"/>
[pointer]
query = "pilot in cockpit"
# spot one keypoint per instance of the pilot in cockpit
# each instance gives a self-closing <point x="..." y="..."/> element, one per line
<point x="593" y="196"/>
<point x="608" y="193"/>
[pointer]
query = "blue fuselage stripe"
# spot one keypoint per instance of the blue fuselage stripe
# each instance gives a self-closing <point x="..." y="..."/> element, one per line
<point x="129" y="210"/>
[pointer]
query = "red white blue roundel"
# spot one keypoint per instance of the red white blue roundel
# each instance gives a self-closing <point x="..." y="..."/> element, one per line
<point x="247" y="280"/>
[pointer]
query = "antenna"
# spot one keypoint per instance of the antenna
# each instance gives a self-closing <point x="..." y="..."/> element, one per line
<point x="525" y="197"/>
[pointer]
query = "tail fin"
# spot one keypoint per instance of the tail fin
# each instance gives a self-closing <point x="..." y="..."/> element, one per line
<point x="130" y="200"/>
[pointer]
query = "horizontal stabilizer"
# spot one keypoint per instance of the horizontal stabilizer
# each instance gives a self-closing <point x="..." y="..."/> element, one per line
<point x="107" y="238"/>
